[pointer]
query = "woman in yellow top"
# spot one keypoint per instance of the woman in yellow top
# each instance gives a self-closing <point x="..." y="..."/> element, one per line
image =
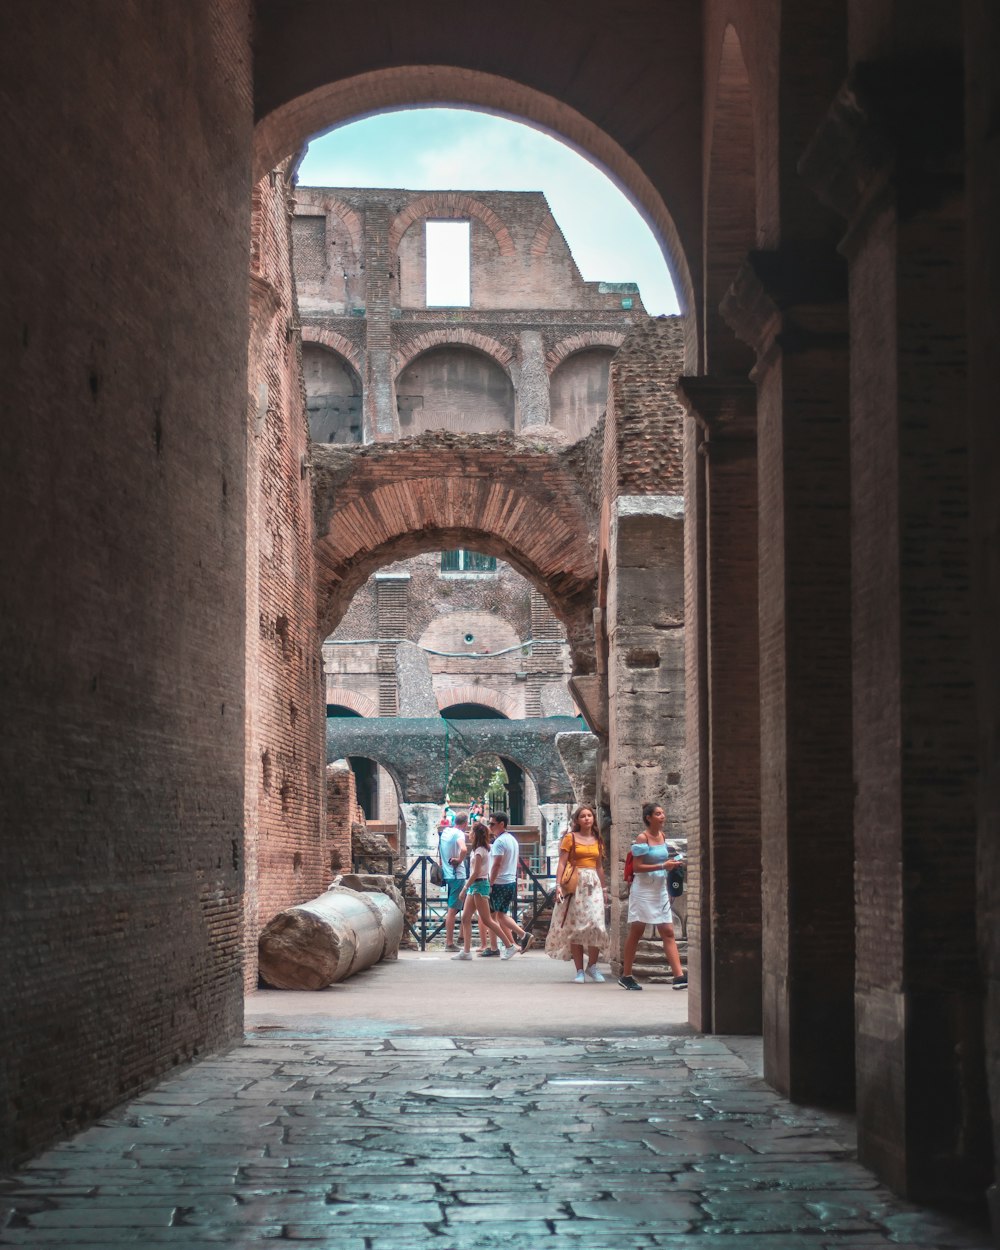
<point x="578" y="918"/>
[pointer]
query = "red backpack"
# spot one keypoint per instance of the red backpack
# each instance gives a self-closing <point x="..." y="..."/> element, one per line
<point x="629" y="872"/>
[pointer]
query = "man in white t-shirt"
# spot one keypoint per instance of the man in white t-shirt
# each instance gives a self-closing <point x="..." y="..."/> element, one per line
<point x="452" y="850"/>
<point x="504" y="855"/>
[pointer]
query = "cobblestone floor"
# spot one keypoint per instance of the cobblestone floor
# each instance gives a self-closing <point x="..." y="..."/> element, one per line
<point x="407" y="1142"/>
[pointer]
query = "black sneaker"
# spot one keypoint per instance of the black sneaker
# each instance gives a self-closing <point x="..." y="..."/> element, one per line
<point x="681" y="982"/>
<point x="526" y="942"/>
<point x="489" y="954"/>
<point x="629" y="983"/>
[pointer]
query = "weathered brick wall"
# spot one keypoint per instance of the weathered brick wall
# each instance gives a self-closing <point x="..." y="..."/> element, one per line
<point x="125" y="248"/>
<point x="286" y="859"/>
<point x="497" y="609"/>
<point x="531" y="312"/>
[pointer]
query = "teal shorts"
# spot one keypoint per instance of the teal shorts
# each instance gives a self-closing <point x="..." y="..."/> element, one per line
<point x="480" y="887"/>
<point x="454" y="890"/>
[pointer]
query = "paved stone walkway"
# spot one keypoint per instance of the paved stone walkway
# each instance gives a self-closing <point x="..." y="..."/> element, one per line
<point x="389" y="1142"/>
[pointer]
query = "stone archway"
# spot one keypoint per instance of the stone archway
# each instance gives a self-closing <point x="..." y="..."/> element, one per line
<point x="289" y="112"/>
<point x="496" y="492"/>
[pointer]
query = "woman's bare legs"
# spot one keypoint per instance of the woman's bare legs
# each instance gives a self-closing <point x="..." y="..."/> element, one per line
<point x="635" y="931"/>
<point x="577" y="953"/>
<point x="593" y="954"/>
<point x="485" y="923"/>
<point x="666" y="932"/>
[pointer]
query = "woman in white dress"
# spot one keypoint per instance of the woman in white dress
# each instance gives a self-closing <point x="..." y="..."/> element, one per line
<point x="578" y="918"/>
<point x="649" y="900"/>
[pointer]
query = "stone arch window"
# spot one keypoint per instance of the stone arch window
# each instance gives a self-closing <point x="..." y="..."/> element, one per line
<point x="578" y="390"/>
<point x="454" y="388"/>
<point x="333" y="396"/>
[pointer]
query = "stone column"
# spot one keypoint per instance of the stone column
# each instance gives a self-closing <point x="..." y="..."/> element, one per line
<point x="923" y="1119"/>
<point x="420" y="825"/>
<point x="532" y="381"/>
<point x="645" y="673"/>
<point x="729" y="889"/>
<point x="380" y="418"/>
<point x="791" y="307"/>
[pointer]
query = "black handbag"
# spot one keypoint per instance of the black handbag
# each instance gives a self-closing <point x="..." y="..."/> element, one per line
<point x="675" y="882"/>
<point x="436" y="875"/>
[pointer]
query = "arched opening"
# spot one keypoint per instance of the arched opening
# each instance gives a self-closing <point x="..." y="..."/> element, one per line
<point x="287" y="121"/>
<point x="579" y="390"/>
<point x="333" y="396"/>
<point x="471" y="711"/>
<point x="454" y="388"/>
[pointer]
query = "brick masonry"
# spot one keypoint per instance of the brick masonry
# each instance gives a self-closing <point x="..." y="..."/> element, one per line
<point x="286" y="860"/>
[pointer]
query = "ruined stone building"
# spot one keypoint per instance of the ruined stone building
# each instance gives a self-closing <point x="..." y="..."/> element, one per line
<point x="529" y="352"/>
<point x="824" y="180"/>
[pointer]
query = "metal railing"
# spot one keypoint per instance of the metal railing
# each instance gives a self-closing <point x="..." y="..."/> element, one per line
<point x="533" y="895"/>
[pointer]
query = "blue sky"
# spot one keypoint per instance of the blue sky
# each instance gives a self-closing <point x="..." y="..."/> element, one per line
<point x="457" y="149"/>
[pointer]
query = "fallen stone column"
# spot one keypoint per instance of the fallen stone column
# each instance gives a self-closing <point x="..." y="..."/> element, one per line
<point x="327" y="939"/>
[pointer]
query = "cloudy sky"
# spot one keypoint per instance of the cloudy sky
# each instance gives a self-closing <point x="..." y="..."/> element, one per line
<point x="455" y="149"/>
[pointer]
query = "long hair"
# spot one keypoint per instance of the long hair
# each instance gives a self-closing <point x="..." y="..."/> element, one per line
<point x="574" y="824"/>
<point x="480" y="835"/>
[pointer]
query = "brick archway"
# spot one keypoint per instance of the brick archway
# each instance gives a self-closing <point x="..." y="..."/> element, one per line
<point x="292" y="108"/>
<point x="495" y="492"/>
<point x="459" y="336"/>
<point x="445" y="205"/>
<point x="482" y="695"/>
<point x="336" y="343"/>
<point x="357" y="702"/>
<point x="567" y="347"/>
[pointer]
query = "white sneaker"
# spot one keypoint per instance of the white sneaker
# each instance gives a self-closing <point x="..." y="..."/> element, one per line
<point x="463" y="955"/>
<point x="594" y="975"/>
<point x="580" y="978"/>
<point x="508" y="952"/>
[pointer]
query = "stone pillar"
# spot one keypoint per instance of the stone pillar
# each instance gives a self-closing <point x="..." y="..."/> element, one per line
<point x="645" y="674"/>
<point x="728" y="892"/>
<point x="380" y="418"/>
<point x="923" y="1120"/>
<point x="419" y="833"/>
<point x="791" y="307"/>
<point x="696" y="770"/>
<point x="555" y="822"/>
<point x="532" y="381"/>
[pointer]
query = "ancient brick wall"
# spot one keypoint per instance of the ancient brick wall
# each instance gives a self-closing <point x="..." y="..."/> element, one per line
<point x="122" y="734"/>
<point x="478" y="367"/>
<point x="286" y="860"/>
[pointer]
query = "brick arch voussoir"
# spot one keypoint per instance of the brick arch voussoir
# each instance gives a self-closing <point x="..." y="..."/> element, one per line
<point x="543" y="236"/>
<point x="357" y="702"/>
<point x="350" y="219"/>
<point x="437" y="498"/>
<point x="458" y="337"/>
<point x="573" y="343"/>
<point x="450" y="205"/>
<point x="476" y="694"/>
<point x="336" y="343"/>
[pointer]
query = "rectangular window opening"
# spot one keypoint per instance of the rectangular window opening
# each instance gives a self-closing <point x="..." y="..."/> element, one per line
<point x="462" y="561"/>
<point x="449" y="276"/>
